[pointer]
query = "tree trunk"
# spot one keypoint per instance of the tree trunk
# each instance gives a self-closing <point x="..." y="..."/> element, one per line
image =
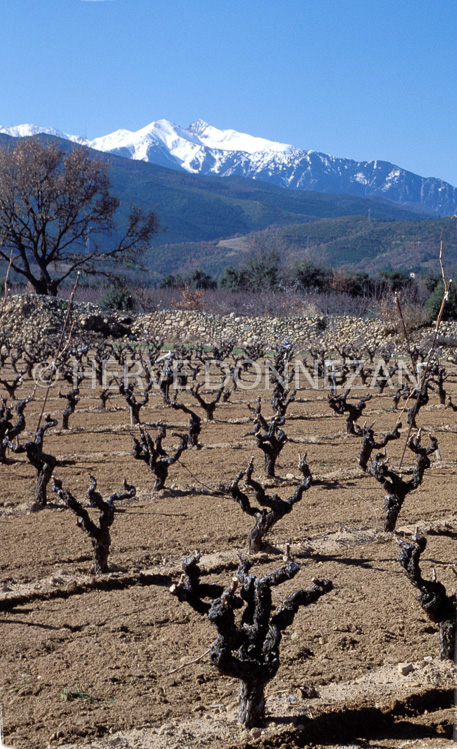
<point x="47" y="283"/>
<point x="39" y="286"/>
<point x="447" y="638"/>
<point x="101" y="552"/>
<point x="392" y="507"/>
<point x="210" y="412"/>
<point x="66" y="416"/>
<point x="252" y="703"/>
<point x="270" y="462"/>
<point x="161" y="474"/>
<point x="264" y="522"/>
<point x="135" y="412"/>
<point x="43" y="479"/>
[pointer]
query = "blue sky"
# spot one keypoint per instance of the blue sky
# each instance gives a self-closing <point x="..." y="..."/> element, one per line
<point x="363" y="79"/>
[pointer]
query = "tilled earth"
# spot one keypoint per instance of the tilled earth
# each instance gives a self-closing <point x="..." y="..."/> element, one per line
<point x="107" y="660"/>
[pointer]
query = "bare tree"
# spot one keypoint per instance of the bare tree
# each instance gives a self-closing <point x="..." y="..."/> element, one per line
<point x="8" y="431"/>
<point x="439" y="607"/>
<point x="208" y="406"/>
<point x="72" y="398"/>
<point x="153" y="454"/>
<point x="420" y="397"/>
<point x="6" y="415"/>
<point x="195" y="422"/>
<point x="384" y="377"/>
<point x="54" y="206"/>
<point x="369" y="443"/>
<point x="248" y="651"/>
<point x="271" y="508"/>
<point x="439" y="377"/>
<point x="104" y="395"/>
<point x="11" y="387"/>
<point x="99" y="534"/>
<point x="134" y="404"/>
<point x="271" y="440"/>
<point x="44" y="463"/>
<point x="392" y="482"/>
<point x="339" y="404"/>
<point x="281" y="399"/>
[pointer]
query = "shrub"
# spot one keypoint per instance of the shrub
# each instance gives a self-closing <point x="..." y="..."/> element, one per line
<point x="435" y="299"/>
<point x="118" y="296"/>
<point x="312" y="277"/>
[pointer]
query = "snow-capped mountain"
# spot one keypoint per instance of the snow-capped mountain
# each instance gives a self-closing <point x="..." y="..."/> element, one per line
<point x="26" y="131"/>
<point x="204" y="149"/>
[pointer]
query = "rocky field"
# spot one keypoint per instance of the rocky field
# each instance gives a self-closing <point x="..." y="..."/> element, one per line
<point x="114" y="660"/>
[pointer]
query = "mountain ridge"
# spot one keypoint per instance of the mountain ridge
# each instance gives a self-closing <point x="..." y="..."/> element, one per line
<point x="196" y="211"/>
<point x="203" y="149"/>
<point x="195" y="208"/>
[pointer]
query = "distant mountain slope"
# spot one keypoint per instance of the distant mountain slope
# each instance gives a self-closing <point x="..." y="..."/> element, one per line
<point x="194" y="208"/>
<point x="206" y="150"/>
<point x="348" y="242"/>
<point x="197" y="212"/>
<point x="374" y="245"/>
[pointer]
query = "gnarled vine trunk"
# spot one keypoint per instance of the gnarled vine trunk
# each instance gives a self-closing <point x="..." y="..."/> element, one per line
<point x="251" y="710"/>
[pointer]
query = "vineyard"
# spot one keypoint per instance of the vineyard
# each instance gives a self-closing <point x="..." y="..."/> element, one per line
<point x="160" y="505"/>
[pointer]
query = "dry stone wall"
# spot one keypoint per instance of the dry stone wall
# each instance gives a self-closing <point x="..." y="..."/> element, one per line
<point x="27" y="318"/>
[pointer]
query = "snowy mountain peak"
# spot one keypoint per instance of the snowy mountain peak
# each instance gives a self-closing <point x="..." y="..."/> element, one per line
<point x="27" y="131"/>
<point x="232" y="140"/>
<point x="197" y="127"/>
<point x="141" y="144"/>
<point x="204" y="149"/>
<point x="167" y="130"/>
<point x="24" y="131"/>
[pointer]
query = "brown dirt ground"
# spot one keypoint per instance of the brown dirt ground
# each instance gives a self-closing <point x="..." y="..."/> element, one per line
<point x="89" y="660"/>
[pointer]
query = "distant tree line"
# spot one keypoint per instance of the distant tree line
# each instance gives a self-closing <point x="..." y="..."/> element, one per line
<point x="263" y="272"/>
